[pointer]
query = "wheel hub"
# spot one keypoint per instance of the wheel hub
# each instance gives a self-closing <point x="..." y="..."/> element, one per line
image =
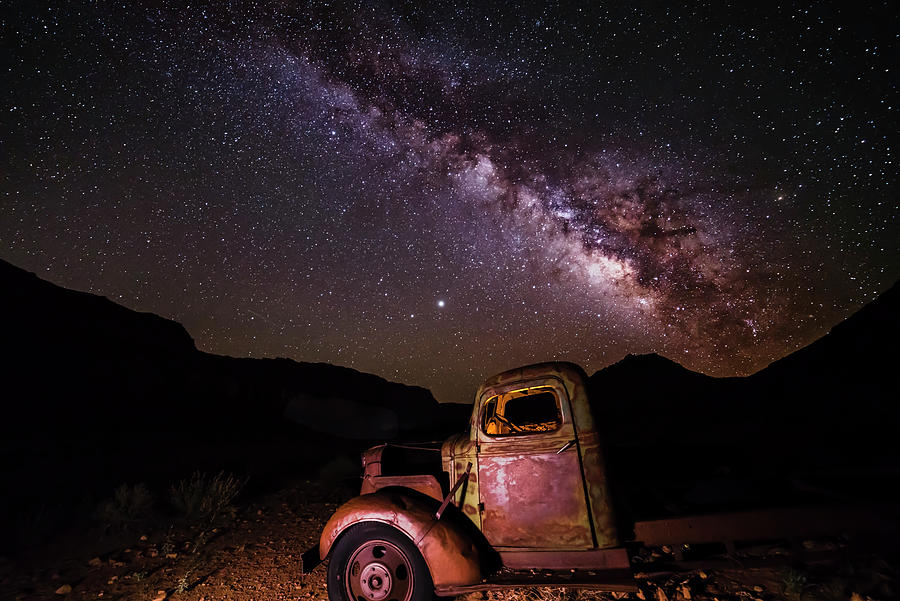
<point x="375" y="581"/>
<point x="379" y="571"/>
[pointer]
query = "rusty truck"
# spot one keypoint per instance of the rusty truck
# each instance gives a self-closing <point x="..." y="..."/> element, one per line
<point x="522" y="498"/>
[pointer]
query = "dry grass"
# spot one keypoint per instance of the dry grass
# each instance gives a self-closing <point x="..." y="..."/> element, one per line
<point x="128" y="505"/>
<point x="204" y="497"/>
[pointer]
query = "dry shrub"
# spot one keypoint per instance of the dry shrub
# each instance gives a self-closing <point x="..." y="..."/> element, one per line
<point x="129" y="504"/>
<point x="205" y="497"/>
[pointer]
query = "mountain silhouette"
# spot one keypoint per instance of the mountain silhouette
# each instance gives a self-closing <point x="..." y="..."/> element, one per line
<point x="95" y="395"/>
<point x="72" y="359"/>
<point x="848" y="378"/>
<point x="857" y="356"/>
<point x="822" y="419"/>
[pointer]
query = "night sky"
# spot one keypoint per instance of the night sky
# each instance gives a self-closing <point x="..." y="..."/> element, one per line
<point x="435" y="196"/>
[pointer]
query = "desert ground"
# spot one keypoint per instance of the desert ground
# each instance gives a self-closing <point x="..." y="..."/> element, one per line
<point x="251" y="553"/>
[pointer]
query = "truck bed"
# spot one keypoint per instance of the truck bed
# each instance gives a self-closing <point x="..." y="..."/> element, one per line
<point x="652" y="483"/>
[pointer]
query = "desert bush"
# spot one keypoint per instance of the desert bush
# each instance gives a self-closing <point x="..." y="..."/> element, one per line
<point x="129" y="504"/>
<point x="183" y="585"/>
<point x="205" y="497"/>
<point x="794" y="584"/>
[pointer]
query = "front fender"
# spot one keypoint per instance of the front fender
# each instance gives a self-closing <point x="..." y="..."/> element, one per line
<point x="451" y="555"/>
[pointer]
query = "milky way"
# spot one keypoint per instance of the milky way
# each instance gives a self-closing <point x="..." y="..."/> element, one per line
<point x="436" y="196"/>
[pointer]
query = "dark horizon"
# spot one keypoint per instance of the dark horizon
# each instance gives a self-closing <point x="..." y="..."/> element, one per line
<point x="437" y="196"/>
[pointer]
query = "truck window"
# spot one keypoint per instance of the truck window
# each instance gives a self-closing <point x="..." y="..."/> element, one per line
<point x="521" y="412"/>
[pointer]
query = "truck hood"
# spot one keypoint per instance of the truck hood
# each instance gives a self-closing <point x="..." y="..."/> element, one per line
<point x="455" y="446"/>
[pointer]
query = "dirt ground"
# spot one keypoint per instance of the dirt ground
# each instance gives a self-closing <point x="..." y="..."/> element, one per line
<point x="255" y="557"/>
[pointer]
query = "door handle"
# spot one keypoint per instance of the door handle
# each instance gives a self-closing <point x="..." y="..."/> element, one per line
<point x="565" y="446"/>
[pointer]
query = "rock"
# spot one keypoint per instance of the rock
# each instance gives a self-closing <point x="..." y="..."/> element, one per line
<point x="95" y="562"/>
<point x="160" y="596"/>
<point x="661" y="595"/>
<point x="758" y="589"/>
<point x="64" y="590"/>
<point x="685" y="591"/>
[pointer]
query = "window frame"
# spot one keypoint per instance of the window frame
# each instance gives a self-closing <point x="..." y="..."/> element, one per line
<point x="543" y="387"/>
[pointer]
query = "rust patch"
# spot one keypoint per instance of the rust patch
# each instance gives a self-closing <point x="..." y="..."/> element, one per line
<point x="534" y="500"/>
<point x="425" y="484"/>
<point x="371" y="460"/>
<point x="598" y="490"/>
<point x="457" y="452"/>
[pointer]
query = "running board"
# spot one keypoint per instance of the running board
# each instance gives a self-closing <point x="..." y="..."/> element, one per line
<point x="610" y="581"/>
<point x="593" y="559"/>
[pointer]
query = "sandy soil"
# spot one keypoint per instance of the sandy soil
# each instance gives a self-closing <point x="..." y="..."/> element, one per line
<point x="254" y="556"/>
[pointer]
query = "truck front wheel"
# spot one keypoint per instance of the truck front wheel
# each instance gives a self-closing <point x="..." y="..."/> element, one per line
<point x="375" y="562"/>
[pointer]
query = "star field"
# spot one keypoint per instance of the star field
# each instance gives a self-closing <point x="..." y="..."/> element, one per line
<point x="437" y="195"/>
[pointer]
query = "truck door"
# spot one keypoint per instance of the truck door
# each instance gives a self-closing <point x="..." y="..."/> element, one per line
<point x="529" y="472"/>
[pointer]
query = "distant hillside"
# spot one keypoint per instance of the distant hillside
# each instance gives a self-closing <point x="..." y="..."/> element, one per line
<point x="649" y="399"/>
<point x="834" y="402"/>
<point x="72" y="359"/>
<point x="859" y="356"/>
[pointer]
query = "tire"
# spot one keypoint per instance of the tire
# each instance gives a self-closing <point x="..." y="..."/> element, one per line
<point x="376" y="562"/>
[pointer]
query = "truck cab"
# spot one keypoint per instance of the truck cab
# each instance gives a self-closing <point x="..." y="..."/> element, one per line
<point x="537" y="479"/>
